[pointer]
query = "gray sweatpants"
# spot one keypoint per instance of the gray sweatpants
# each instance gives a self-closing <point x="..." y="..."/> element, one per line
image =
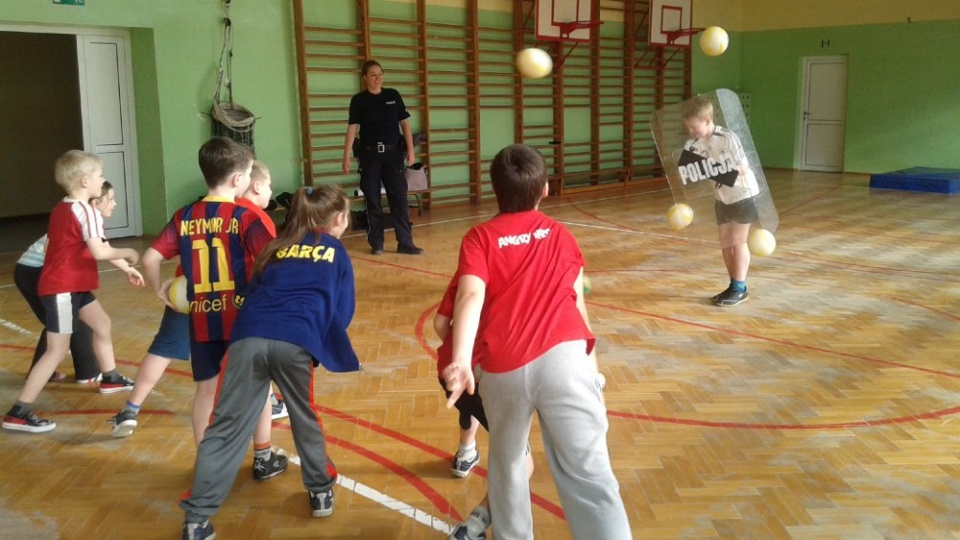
<point x="562" y="389"/>
<point x="245" y="378"/>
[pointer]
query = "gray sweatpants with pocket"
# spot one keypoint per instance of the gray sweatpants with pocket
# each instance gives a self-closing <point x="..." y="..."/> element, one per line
<point x="245" y="379"/>
<point x="562" y="389"/>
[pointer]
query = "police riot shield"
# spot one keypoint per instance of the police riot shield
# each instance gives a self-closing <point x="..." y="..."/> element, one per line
<point x="711" y="163"/>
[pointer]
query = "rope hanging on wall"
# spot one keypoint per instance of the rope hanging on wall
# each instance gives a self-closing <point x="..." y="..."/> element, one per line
<point x="230" y="119"/>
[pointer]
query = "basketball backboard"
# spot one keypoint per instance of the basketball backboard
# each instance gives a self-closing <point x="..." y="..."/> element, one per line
<point x="670" y="23"/>
<point x="564" y="20"/>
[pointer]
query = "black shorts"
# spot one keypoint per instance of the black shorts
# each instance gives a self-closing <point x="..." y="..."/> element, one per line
<point x="62" y="311"/>
<point x="744" y="211"/>
<point x="469" y="406"/>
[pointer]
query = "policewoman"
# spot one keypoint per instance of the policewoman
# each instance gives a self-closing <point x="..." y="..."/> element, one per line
<point x="384" y="149"/>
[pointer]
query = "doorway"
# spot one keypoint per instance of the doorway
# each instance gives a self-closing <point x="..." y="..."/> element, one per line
<point x="823" y="115"/>
<point x="64" y="88"/>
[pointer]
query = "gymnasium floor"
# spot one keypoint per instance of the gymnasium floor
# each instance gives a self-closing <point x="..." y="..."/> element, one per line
<point x="824" y="407"/>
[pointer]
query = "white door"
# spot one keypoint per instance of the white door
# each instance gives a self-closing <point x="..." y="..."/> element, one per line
<point x="106" y="98"/>
<point x="824" y="113"/>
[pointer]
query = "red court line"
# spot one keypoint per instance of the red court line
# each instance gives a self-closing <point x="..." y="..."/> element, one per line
<point x="928" y="308"/>
<point x="795" y="427"/>
<point x="439" y="502"/>
<point x="783" y="342"/>
<point x="812" y="199"/>
<point x="536" y="499"/>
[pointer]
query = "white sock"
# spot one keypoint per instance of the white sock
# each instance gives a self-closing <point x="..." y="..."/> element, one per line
<point x="467" y="451"/>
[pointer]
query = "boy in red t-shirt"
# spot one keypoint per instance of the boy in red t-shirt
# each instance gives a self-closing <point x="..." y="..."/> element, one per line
<point x="216" y="241"/>
<point x="520" y="302"/>
<point x="67" y="280"/>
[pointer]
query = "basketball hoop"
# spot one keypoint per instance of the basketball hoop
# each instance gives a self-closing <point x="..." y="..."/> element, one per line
<point x="567" y="28"/>
<point x="674" y="35"/>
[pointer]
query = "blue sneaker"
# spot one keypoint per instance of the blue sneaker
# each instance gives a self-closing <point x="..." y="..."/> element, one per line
<point x="461" y="466"/>
<point x="198" y="531"/>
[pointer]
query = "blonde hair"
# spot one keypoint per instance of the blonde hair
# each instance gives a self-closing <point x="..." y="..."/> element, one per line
<point x="259" y="172"/>
<point x="72" y="166"/>
<point x="698" y="107"/>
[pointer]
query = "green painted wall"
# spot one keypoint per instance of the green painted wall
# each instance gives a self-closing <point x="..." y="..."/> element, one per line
<point x="175" y="48"/>
<point x="903" y="97"/>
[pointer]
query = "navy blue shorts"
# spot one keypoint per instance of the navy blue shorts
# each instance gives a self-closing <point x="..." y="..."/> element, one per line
<point x="173" y="337"/>
<point x="206" y="357"/>
<point x="62" y="311"/>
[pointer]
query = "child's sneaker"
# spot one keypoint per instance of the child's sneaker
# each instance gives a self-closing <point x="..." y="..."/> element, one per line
<point x="198" y="531"/>
<point x="27" y="421"/>
<point x="461" y="466"/>
<point x="279" y="408"/>
<point x="321" y="503"/>
<point x="124" y="423"/>
<point x="474" y="528"/>
<point x="275" y="464"/>
<point x="117" y="383"/>
<point x="730" y="297"/>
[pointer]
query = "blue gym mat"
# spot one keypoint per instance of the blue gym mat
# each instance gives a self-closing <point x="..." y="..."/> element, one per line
<point x="919" y="179"/>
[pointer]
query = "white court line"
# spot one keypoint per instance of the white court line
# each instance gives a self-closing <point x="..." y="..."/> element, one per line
<point x="368" y="492"/>
<point x="7" y="324"/>
<point x="545" y="209"/>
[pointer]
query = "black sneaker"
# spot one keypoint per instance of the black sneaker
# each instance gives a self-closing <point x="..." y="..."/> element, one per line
<point x="273" y="465"/>
<point x="117" y="383"/>
<point x="321" y="503"/>
<point x="730" y="297"/>
<point x="124" y="423"/>
<point x="27" y="421"/>
<point x="409" y="250"/>
<point x="198" y="531"/>
<point x="376" y="251"/>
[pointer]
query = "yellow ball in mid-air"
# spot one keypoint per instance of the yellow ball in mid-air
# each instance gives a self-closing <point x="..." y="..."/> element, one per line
<point x="178" y="294"/>
<point x="761" y="242"/>
<point x="714" y="41"/>
<point x="534" y="63"/>
<point x="679" y="216"/>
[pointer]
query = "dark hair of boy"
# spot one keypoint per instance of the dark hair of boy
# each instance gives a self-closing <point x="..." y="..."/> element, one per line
<point x="220" y="157"/>
<point x="518" y="173"/>
<point x="313" y="208"/>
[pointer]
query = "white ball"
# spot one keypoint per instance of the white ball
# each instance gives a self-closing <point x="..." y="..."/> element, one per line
<point x="178" y="294"/>
<point x="534" y="63"/>
<point x="714" y="41"/>
<point x="679" y="216"/>
<point x="761" y="242"/>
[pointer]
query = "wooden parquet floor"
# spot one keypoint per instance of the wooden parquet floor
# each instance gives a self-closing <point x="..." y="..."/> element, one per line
<point x="825" y="407"/>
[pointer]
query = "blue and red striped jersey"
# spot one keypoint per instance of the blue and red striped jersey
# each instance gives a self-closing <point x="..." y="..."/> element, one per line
<point x="217" y="242"/>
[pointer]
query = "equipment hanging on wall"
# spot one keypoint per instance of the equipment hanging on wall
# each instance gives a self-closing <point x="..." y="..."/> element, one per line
<point x="230" y="119"/>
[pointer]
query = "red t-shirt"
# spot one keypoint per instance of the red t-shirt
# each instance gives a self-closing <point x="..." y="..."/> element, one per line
<point x="68" y="265"/>
<point x="264" y="217"/>
<point x="216" y="241"/>
<point x="529" y="263"/>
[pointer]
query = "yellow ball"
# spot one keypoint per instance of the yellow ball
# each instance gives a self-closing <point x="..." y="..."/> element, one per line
<point x="679" y="216"/>
<point x="534" y="63"/>
<point x="761" y="242"/>
<point x="178" y="294"/>
<point x="714" y="41"/>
